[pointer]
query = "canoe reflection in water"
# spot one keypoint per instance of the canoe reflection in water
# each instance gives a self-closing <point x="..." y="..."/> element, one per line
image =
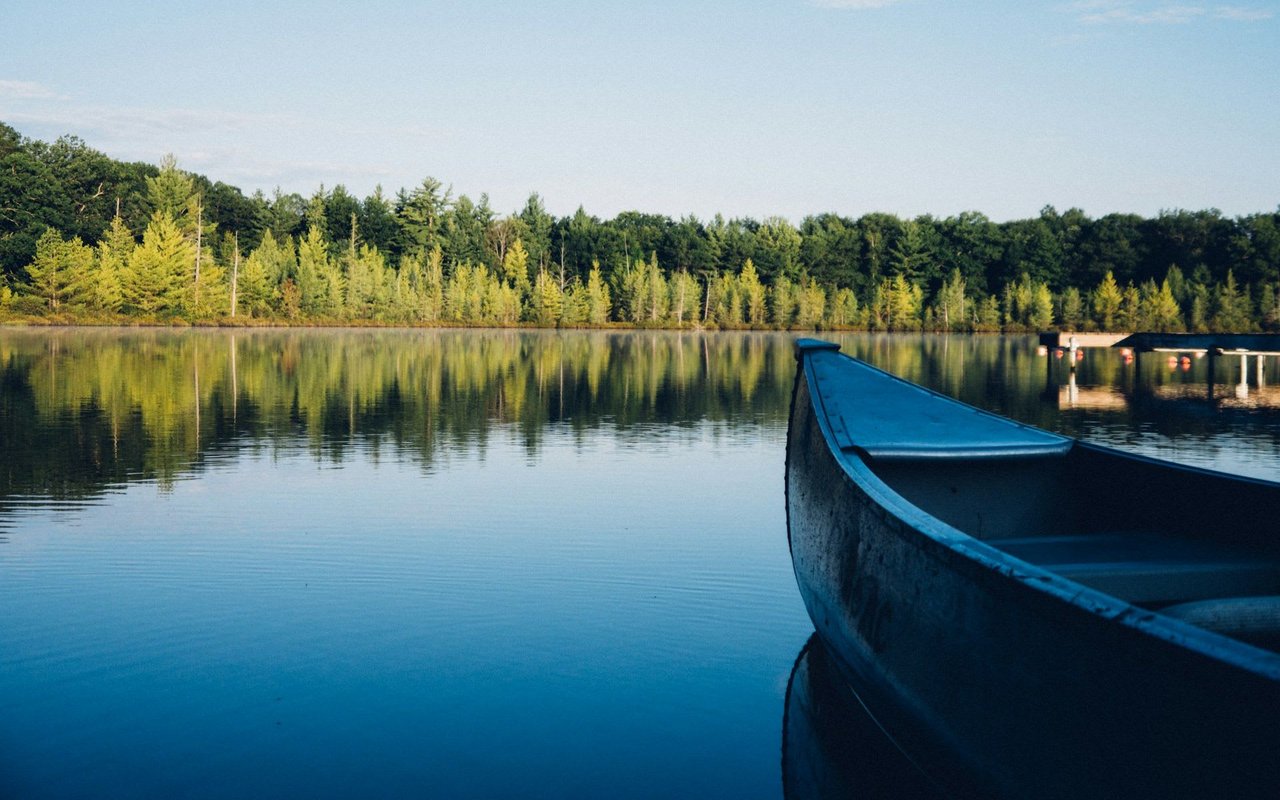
<point x="831" y="747"/>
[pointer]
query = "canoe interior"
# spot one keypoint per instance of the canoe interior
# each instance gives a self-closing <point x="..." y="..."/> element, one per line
<point x="1148" y="534"/>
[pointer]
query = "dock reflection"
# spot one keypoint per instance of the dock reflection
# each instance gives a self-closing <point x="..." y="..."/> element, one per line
<point x="1217" y="383"/>
<point x="832" y="748"/>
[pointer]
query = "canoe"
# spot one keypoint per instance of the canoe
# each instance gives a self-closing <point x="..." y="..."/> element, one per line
<point x="1027" y="614"/>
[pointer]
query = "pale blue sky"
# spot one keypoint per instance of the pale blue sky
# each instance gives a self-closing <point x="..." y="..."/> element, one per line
<point x="787" y="107"/>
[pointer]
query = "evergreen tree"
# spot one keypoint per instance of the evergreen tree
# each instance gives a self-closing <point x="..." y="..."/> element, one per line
<point x="577" y="305"/>
<point x="1130" y="308"/>
<point x="686" y="297"/>
<point x="811" y="304"/>
<point x="1160" y="310"/>
<point x="987" y="317"/>
<point x="61" y="271"/>
<point x="547" y="299"/>
<point x="951" y="304"/>
<point x="170" y="192"/>
<point x="114" y="248"/>
<point x="844" y="309"/>
<point x="314" y="272"/>
<point x="515" y="266"/>
<point x="1072" y="309"/>
<point x="1041" y="313"/>
<point x="783" y="309"/>
<point x="155" y="280"/>
<point x="256" y="295"/>
<point x="598" y="301"/>
<point x="752" y="293"/>
<point x="1107" y="299"/>
<point x="1232" y="312"/>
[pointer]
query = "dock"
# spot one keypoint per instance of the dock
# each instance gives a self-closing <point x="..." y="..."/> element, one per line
<point x="1068" y="339"/>
<point x="1252" y="344"/>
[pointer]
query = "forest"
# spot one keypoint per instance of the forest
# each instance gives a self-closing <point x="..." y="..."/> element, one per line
<point x="87" y="239"/>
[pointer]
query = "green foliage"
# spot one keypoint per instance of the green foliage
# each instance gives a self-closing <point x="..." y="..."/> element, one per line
<point x="62" y="271"/>
<point x="1232" y="309"/>
<point x="782" y="310"/>
<point x="548" y="300"/>
<point x="752" y="293"/>
<point x="811" y="305"/>
<point x="951" y="308"/>
<point x="686" y="298"/>
<point x="1071" y="311"/>
<point x="897" y="304"/>
<point x="1159" y="310"/>
<point x="1107" y="299"/>
<point x="599" y="304"/>
<point x="394" y="260"/>
<point x="844" y="309"/>
<point x="155" y="276"/>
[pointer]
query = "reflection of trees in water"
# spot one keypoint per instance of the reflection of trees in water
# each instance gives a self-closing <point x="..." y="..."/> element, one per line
<point x="83" y="408"/>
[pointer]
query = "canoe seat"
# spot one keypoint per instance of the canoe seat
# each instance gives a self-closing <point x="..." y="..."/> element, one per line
<point x="1255" y="620"/>
<point x="1147" y="568"/>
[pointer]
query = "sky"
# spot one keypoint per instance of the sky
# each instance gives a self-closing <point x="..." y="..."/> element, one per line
<point x="749" y="108"/>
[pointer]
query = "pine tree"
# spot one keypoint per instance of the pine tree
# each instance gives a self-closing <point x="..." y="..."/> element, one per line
<point x="1130" y="307"/>
<point x="61" y="271"/>
<point x="1107" y="299"/>
<point x="1232" y="308"/>
<point x="114" y="249"/>
<point x="844" y="309"/>
<point x="171" y="191"/>
<point x="313" y="274"/>
<point x="257" y="294"/>
<point x="811" y="304"/>
<point x="1041" y="312"/>
<point x="783" y="309"/>
<point x="686" y="297"/>
<point x="155" y="278"/>
<point x="515" y="267"/>
<point x="598" y="302"/>
<point x="951" y="305"/>
<point x="547" y="299"/>
<point x="753" y="295"/>
<point x="726" y="301"/>
<point x="1072" y="309"/>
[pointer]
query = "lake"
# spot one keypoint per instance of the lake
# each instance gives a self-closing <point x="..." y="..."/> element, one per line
<point x="458" y="563"/>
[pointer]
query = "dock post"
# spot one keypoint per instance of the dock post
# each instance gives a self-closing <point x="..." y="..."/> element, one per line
<point x="1071" y="352"/>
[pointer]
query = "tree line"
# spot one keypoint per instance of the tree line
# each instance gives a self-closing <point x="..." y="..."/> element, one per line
<point x="86" y="238"/>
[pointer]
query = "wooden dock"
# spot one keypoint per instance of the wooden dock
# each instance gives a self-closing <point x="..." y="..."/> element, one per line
<point x="1252" y="344"/>
<point x="1064" y="339"/>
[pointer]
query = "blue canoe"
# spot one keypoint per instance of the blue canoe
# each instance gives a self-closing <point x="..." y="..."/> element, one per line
<point x="1016" y="609"/>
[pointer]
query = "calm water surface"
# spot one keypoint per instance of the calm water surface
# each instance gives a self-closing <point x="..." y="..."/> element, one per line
<point x="458" y="563"/>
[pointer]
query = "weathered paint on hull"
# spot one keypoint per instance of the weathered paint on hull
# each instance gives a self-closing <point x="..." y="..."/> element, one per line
<point x="974" y="669"/>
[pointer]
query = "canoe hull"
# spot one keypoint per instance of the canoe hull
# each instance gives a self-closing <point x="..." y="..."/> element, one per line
<point x="991" y="682"/>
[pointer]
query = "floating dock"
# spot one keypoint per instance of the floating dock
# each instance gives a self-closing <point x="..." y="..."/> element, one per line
<point x="1068" y="339"/>
<point x="1251" y="344"/>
